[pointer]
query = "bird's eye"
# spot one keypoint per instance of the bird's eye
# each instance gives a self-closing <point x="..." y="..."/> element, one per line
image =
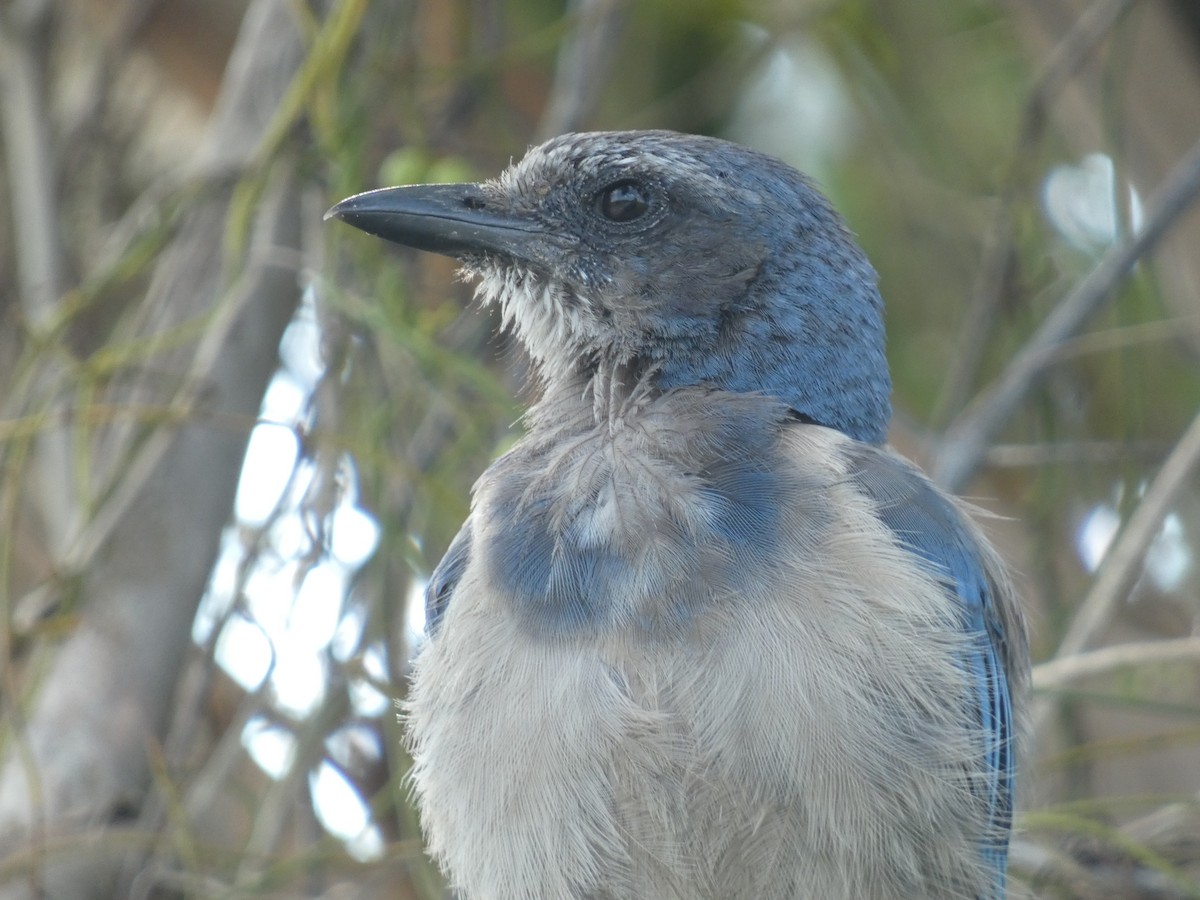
<point x="623" y="201"/>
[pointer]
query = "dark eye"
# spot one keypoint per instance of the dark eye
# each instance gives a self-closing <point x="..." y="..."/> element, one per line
<point x="623" y="201"/>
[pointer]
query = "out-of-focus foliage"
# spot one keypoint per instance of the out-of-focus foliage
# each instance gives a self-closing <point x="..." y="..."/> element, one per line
<point x="989" y="155"/>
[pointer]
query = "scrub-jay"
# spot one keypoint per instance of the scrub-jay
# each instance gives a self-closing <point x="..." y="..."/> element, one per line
<point x="703" y="636"/>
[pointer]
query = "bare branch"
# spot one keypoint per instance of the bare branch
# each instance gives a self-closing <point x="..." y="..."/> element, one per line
<point x="1062" y="672"/>
<point x="1123" y="561"/>
<point x="106" y="692"/>
<point x="965" y="443"/>
<point x="32" y="182"/>
<point x="23" y="55"/>
<point x="1069" y="55"/>
<point x="1061" y="453"/>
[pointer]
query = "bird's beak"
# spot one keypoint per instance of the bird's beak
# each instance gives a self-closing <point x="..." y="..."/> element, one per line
<point x="452" y="219"/>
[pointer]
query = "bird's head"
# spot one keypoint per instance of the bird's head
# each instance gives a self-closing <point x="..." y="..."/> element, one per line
<point x="697" y="260"/>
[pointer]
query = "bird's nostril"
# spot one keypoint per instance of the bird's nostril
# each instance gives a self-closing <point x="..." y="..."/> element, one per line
<point x="473" y="202"/>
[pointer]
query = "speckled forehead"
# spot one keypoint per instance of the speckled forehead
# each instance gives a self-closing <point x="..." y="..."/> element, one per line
<point x="579" y="157"/>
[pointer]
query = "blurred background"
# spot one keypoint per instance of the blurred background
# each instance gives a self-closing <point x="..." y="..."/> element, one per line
<point x="234" y="440"/>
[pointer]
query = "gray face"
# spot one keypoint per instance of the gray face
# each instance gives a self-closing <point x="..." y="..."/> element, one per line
<point x="699" y="260"/>
<point x="645" y="242"/>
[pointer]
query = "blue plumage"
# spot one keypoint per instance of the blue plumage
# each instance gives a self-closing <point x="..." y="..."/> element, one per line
<point x="703" y="635"/>
<point x="927" y="524"/>
<point x="445" y="577"/>
<point x="564" y="568"/>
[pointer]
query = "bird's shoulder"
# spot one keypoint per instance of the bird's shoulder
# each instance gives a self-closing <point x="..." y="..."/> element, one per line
<point x="593" y="522"/>
<point x="590" y="521"/>
<point x="446" y="576"/>
<point x="940" y="530"/>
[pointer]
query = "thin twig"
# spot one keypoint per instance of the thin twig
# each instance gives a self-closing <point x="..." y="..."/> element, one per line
<point x="1038" y="863"/>
<point x="1067" y="58"/>
<point x="32" y="182"/>
<point x="1062" y="453"/>
<point x="1110" y="339"/>
<point x="1123" y="562"/>
<point x="965" y="443"/>
<point x="31" y="178"/>
<point x="1059" y="673"/>
<point x="1092" y="26"/>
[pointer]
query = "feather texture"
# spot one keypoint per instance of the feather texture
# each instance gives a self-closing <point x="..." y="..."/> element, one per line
<point x="703" y="636"/>
<point x="807" y="728"/>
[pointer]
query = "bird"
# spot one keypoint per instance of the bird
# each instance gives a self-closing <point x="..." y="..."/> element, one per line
<point x="704" y="634"/>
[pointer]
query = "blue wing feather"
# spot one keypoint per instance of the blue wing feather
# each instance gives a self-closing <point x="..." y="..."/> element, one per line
<point x="445" y="578"/>
<point x="926" y="522"/>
